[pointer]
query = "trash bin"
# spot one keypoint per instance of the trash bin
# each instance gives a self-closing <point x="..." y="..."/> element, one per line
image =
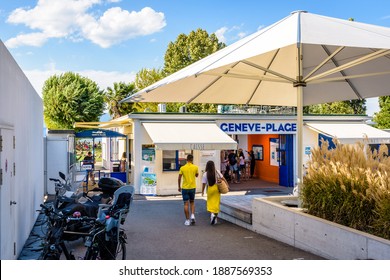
<point x="119" y="175"/>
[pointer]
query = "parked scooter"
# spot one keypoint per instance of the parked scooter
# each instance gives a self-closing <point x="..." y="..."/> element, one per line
<point x="68" y="201"/>
<point x="88" y="205"/>
<point x="61" y="186"/>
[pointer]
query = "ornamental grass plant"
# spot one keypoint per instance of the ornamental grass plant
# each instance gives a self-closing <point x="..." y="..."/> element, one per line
<point x="349" y="185"/>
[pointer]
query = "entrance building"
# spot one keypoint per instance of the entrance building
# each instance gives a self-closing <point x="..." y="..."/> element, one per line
<point x="159" y="143"/>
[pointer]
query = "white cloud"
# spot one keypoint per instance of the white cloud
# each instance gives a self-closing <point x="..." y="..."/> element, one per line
<point x="226" y="35"/>
<point x="31" y="39"/>
<point x="220" y="33"/>
<point x="117" y="25"/>
<point x="104" y="79"/>
<point x="55" y="18"/>
<point x="107" y="79"/>
<point x="241" y="35"/>
<point x="74" y="18"/>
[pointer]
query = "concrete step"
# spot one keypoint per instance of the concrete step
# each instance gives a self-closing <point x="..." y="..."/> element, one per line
<point x="236" y="213"/>
<point x="237" y="209"/>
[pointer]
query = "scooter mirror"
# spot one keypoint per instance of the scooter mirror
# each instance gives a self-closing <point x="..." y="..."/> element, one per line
<point x="62" y="175"/>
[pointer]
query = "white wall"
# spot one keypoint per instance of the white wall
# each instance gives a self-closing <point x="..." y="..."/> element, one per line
<point x="313" y="234"/>
<point x="56" y="158"/>
<point x="243" y="142"/>
<point x="21" y="107"/>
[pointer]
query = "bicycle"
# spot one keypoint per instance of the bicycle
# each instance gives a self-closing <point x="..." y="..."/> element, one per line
<point x="105" y="241"/>
<point x="111" y="216"/>
<point x="54" y="243"/>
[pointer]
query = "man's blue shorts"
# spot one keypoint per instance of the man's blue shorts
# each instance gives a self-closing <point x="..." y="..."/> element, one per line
<point x="234" y="167"/>
<point x="188" y="194"/>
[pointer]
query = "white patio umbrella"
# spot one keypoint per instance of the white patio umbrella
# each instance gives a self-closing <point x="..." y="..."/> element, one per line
<point x="303" y="59"/>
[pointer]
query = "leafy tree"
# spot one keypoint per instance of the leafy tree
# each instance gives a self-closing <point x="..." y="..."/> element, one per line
<point x="199" y="107"/>
<point x="114" y="95"/>
<point x="350" y="107"/>
<point x="146" y="77"/>
<point x="70" y="98"/>
<point x="382" y="118"/>
<point x="190" y="48"/>
<point x="358" y="106"/>
<point x="186" y="50"/>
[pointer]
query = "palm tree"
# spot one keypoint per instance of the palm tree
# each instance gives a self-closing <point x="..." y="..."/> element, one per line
<point x="114" y="96"/>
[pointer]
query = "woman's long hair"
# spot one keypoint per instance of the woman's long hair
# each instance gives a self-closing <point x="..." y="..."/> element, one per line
<point x="210" y="169"/>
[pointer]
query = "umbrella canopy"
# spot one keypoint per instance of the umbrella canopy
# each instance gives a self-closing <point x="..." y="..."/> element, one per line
<point x="303" y="59"/>
<point x="334" y="59"/>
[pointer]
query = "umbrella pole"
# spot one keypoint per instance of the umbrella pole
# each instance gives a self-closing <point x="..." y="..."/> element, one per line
<point x="299" y="137"/>
<point x="299" y="84"/>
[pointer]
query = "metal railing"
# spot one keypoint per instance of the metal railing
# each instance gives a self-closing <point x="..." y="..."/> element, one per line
<point x="263" y="109"/>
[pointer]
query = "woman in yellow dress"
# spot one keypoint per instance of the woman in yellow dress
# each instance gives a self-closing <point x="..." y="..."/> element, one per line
<point x="209" y="179"/>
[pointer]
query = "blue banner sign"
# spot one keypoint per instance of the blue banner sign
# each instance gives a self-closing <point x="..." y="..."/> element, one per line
<point x="259" y="128"/>
<point x="98" y="133"/>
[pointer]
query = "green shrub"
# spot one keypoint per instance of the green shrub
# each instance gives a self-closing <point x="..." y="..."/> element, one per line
<point x="349" y="185"/>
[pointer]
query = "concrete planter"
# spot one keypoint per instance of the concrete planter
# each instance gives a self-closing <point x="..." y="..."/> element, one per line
<point x="312" y="234"/>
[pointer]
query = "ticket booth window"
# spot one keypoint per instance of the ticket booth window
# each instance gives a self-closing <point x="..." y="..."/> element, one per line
<point x="173" y="160"/>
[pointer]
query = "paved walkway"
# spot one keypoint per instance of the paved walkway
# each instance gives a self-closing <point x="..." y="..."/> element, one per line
<point x="155" y="230"/>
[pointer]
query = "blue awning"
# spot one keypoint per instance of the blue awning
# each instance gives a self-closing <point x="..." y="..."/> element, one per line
<point x="98" y="133"/>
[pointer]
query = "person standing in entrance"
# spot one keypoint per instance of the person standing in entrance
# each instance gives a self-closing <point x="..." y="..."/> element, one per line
<point x="188" y="172"/>
<point x="122" y="164"/>
<point x="90" y="160"/>
<point x="252" y="163"/>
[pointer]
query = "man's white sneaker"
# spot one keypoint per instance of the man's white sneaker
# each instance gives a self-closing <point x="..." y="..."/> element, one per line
<point x="192" y="219"/>
<point x="187" y="223"/>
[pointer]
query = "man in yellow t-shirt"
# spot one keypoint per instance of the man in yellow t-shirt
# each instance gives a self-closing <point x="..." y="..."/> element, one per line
<point x="188" y="172"/>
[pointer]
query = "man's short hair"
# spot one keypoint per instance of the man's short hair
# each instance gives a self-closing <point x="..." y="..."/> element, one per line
<point x="190" y="157"/>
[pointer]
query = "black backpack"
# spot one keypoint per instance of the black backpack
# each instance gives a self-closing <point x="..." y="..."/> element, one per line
<point x="232" y="159"/>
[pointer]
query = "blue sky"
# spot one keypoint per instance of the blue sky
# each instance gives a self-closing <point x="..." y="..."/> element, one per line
<point x="111" y="40"/>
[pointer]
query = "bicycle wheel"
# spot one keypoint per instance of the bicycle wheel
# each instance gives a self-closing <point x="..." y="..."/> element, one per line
<point x="51" y="248"/>
<point x="91" y="254"/>
<point x="113" y="250"/>
<point x="50" y="252"/>
<point x="121" y="250"/>
<point x="121" y="246"/>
